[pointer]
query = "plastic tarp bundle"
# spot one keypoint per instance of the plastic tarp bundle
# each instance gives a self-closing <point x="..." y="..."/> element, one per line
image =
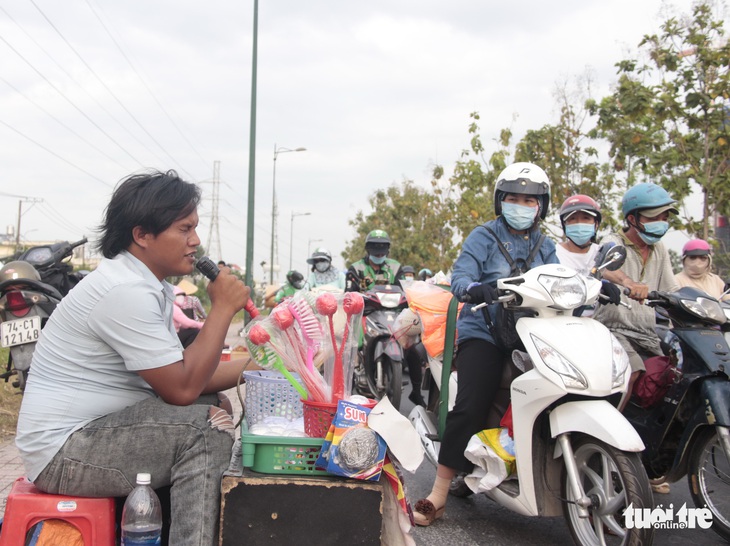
<point x="431" y="302"/>
<point x="492" y="452"/>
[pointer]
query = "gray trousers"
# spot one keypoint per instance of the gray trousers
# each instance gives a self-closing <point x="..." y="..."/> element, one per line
<point x="177" y="445"/>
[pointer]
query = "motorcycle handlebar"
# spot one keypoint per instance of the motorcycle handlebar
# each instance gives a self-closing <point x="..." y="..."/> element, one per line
<point x="510" y="296"/>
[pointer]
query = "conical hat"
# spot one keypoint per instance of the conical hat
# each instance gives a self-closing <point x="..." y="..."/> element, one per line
<point x="187" y="287"/>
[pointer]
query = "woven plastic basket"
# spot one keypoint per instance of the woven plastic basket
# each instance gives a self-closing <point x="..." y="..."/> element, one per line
<point x="318" y="417"/>
<point x="268" y="393"/>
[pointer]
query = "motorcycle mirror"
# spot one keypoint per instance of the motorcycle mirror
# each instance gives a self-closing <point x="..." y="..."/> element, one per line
<point x="610" y="256"/>
<point x="614" y="258"/>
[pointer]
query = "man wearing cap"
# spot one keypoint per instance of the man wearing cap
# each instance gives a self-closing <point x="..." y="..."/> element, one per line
<point x="697" y="269"/>
<point x="646" y="208"/>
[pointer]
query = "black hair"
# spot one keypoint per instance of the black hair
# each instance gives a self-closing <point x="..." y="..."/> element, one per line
<point x="152" y="201"/>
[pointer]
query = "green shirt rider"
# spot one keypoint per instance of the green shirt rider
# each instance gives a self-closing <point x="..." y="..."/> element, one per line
<point x="375" y="267"/>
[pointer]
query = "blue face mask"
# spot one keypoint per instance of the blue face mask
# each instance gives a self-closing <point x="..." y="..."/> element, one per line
<point x="377" y="260"/>
<point x="580" y="234"/>
<point x="654" y="232"/>
<point x="518" y="216"/>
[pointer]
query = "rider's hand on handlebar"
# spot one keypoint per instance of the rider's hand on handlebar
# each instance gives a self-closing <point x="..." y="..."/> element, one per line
<point x="612" y="293"/>
<point x="481" y="293"/>
<point x="636" y="291"/>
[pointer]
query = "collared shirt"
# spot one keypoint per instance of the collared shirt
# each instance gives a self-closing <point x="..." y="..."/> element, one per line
<point x="482" y="261"/>
<point x="115" y="322"/>
<point x="638" y="323"/>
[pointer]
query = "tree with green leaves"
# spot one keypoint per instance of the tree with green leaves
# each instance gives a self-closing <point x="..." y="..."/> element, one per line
<point x="668" y="117"/>
<point x="416" y="221"/>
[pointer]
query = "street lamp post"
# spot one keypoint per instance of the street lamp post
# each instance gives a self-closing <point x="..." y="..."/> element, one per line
<point x="291" y="234"/>
<point x="274" y="211"/>
<point x="309" y="245"/>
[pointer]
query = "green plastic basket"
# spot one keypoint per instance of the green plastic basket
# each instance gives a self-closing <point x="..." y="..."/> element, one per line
<point x="280" y="454"/>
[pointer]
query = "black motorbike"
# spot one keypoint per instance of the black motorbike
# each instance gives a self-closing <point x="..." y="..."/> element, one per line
<point x="33" y="286"/>
<point x="379" y="367"/>
<point x="688" y="431"/>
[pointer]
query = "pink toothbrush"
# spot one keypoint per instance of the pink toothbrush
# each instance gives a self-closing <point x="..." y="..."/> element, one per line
<point x="309" y="326"/>
<point x="326" y="305"/>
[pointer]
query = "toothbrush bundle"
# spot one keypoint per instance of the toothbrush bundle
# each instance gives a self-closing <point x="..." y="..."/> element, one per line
<point x="306" y="333"/>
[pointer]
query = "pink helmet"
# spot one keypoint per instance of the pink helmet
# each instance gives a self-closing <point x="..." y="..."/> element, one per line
<point x="696" y="247"/>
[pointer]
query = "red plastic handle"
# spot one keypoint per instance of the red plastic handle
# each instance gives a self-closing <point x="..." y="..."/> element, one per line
<point x="251" y="308"/>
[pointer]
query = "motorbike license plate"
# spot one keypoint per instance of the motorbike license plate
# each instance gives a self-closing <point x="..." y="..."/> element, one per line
<point x="17" y="332"/>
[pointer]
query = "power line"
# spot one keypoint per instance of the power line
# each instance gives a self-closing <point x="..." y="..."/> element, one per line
<point x="83" y="88"/>
<point x="62" y="124"/>
<point x="144" y="83"/>
<point x="54" y="153"/>
<point x="121" y="104"/>
<point x="69" y="101"/>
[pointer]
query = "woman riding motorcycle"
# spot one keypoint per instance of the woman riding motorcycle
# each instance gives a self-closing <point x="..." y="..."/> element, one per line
<point x="323" y="272"/>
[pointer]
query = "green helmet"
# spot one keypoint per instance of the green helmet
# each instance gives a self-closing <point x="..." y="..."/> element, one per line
<point x="377" y="236"/>
<point x="377" y="242"/>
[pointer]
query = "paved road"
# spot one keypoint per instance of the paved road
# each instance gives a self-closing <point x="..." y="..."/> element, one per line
<point x="478" y="520"/>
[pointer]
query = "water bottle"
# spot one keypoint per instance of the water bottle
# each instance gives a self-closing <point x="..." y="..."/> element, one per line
<point x="142" y="515"/>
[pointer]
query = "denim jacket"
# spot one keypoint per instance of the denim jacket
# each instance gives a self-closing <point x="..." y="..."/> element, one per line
<point x="482" y="261"/>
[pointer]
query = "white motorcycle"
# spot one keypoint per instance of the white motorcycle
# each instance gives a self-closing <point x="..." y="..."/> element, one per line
<point x="575" y="453"/>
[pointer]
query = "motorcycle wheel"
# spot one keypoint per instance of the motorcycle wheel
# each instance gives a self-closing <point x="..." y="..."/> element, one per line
<point x="613" y="479"/>
<point x="392" y="381"/>
<point x="709" y="480"/>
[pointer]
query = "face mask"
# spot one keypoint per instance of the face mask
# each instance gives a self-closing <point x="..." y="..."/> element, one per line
<point x="409" y="277"/>
<point x="322" y="266"/>
<point x="298" y="285"/>
<point x="696" y="268"/>
<point x="377" y="260"/>
<point x="518" y="216"/>
<point x="654" y="232"/>
<point x="580" y="234"/>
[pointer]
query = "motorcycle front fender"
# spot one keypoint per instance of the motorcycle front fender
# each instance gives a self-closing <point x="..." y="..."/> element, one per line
<point x="715" y="394"/>
<point x="596" y="418"/>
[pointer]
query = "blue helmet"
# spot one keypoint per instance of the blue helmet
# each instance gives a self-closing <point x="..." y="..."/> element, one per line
<point x="648" y="199"/>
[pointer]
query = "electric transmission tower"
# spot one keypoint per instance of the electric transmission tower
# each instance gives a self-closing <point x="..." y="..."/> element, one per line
<point x="214" y="236"/>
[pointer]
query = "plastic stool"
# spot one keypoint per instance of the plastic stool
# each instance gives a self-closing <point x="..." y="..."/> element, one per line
<point x="26" y="506"/>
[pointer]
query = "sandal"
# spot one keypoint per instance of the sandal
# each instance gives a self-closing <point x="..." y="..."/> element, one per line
<point x="425" y="513"/>
<point x="661" y="488"/>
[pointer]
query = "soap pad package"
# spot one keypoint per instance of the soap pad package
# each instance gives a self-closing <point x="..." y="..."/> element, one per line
<point x="351" y="448"/>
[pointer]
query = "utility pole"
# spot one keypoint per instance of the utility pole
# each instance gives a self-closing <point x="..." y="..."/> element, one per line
<point x="20" y="214"/>
<point x="214" y="236"/>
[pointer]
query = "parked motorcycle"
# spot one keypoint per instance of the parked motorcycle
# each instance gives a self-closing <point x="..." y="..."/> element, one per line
<point x="30" y="289"/>
<point x="688" y="431"/>
<point x="379" y="367"/>
<point x="51" y="263"/>
<point x="576" y="454"/>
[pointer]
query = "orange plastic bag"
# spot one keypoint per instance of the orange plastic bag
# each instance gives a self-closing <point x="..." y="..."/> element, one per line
<point x="431" y="302"/>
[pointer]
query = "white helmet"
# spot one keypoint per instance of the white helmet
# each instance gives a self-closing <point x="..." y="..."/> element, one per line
<point x="524" y="178"/>
<point x="320" y="253"/>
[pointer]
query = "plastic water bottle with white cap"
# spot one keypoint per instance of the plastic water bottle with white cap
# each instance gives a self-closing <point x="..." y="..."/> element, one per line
<point x="142" y="515"/>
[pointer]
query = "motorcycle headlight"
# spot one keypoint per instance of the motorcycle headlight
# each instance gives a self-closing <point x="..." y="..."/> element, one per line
<point x="706" y="309"/>
<point x="620" y="362"/>
<point x="566" y="293"/>
<point x="388" y="299"/>
<point x="571" y="376"/>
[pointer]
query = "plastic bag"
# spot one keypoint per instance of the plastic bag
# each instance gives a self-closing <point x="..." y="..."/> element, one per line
<point x="431" y="302"/>
<point x="492" y="452"/>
